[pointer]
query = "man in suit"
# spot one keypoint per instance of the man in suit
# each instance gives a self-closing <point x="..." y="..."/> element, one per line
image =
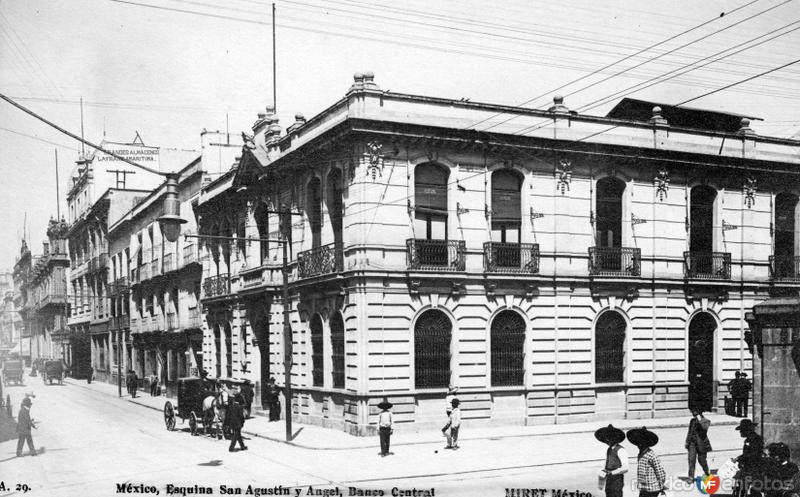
<point x="273" y="400"/>
<point x="24" y="425"/>
<point x="742" y="395"/>
<point x="697" y="442"/>
<point x="236" y="421"/>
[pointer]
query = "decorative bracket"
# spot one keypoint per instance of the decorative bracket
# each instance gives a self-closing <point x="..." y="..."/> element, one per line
<point x="661" y="183"/>
<point x="728" y="227"/>
<point x="375" y="159"/>
<point x="460" y="210"/>
<point x="413" y="286"/>
<point x="563" y="175"/>
<point x="491" y="288"/>
<point x="458" y="290"/>
<point x="637" y="220"/>
<point x="536" y="215"/>
<point x="531" y="291"/>
<point x="750" y="187"/>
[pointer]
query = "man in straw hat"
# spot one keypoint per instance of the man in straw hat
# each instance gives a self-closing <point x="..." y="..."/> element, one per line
<point x="697" y="443"/>
<point x="751" y="462"/>
<point x="649" y="470"/>
<point x="616" y="459"/>
<point x="385" y="426"/>
<point x="24" y="425"/>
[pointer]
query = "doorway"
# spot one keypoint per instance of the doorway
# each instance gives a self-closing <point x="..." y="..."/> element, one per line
<point x="701" y="361"/>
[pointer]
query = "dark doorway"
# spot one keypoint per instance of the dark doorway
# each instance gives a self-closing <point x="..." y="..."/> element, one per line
<point x="701" y="361"/>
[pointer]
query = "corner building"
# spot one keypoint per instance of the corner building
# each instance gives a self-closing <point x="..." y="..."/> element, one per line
<point x="557" y="267"/>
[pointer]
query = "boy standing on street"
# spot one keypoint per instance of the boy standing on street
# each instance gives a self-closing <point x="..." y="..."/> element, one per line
<point x="616" y="460"/>
<point x="385" y="426"/>
<point x="454" y="424"/>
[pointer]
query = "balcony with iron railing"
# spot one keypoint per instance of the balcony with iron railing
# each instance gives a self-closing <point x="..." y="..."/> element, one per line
<point x="217" y="286"/>
<point x="118" y="286"/>
<point x="707" y="265"/>
<point x="511" y="258"/>
<point x="251" y="278"/>
<point x="784" y="268"/>
<point x="120" y="322"/>
<point x="320" y="260"/>
<point x="155" y="268"/>
<point x="615" y="261"/>
<point x="435" y="255"/>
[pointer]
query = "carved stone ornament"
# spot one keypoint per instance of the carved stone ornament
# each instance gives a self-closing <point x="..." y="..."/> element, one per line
<point x="248" y="141"/>
<point x="750" y="187"/>
<point x="374" y="160"/>
<point x="564" y="175"/>
<point x="661" y="183"/>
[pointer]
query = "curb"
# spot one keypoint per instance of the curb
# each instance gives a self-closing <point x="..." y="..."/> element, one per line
<point x="669" y="425"/>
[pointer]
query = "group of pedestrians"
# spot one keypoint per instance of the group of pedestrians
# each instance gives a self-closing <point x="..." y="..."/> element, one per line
<point x="761" y="473"/>
<point x="132" y="383"/>
<point x="739" y="389"/>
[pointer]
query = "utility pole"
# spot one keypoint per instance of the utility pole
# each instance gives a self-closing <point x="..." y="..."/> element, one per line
<point x="58" y="203"/>
<point x="274" y="65"/>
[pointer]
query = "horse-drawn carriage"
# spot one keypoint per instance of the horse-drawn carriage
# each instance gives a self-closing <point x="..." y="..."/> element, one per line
<point x="53" y="371"/>
<point x="13" y="371"/>
<point x="200" y="403"/>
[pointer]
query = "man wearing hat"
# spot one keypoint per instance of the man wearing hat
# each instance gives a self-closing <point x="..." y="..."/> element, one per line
<point x="385" y="426"/>
<point x="616" y="459"/>
<point x="742" y="395"/>
<point x="751" y="462"/>
<point x="235" y="419"/>
<point x="24" y="425"/>
<point x="697" y="442"/>
<point x="780" y="470"/>
<point x="454" y="423"/>
<point x="650" y="473"/>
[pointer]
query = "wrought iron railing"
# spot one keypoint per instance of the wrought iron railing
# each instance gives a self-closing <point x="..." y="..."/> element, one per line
<point x="615" y="261"/>
<point x="784" y="268"/>
<point x="320" y="260"/>
<point x="216" y="286"/>
<point x="251" y="278"/>
<point x="435" y="255"/>
<point x="707" y="265"/>
<point x="515" y="258"/>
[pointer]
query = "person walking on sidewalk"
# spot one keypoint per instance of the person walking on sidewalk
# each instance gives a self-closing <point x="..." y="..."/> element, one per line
<point x="134" y="383"/>
<point x="454" y="424"/>
<point x="24" y="425"/>
<point x="651" y="477"/>
<point x="89" y="377"/>
<point x="235" y="419"/>
<point x="697" y="442"/>
<point x="742" y="397"/>
<point x="385" y="426"/>
<point x="451" y="396"/>
<point x="273" y="400"/>
<point x="153" y="384"/>
<point x="616" y="460"/>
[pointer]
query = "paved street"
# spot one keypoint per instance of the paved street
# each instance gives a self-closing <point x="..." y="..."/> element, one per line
<point x="93" y="441"/>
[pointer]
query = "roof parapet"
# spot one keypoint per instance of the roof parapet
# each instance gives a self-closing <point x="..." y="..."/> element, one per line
<point x="558" y="106"/>
<point x="657" y="118"/>
<point x="745" y="128"/>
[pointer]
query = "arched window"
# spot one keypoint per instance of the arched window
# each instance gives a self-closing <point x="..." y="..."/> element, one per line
<point x="609" y="344"/>
<point x="317" y="361"/>
<point x="432" y="335"/>
<point x="506" y="206"/>
<point x="508" y="349"/>
<point x="609" y="212"/>
<point x="314" y="210"/>
<point x="430" y="194"/>
<point x="785" y="264"/>
<point x="262" y="224"/>
<point x="337" y="350"/>
<point x="701" y="360"/>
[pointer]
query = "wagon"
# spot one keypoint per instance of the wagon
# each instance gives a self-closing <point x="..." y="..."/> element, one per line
<point x="13" y="372"/>
<point x="53" y="371"/>
<point x="191" y="393"/>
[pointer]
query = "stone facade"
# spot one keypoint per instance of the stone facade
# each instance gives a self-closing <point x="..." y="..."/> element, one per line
<point x="587" y="268"/>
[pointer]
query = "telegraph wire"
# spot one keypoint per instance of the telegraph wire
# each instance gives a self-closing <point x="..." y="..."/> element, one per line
<point x="40" y="139"/>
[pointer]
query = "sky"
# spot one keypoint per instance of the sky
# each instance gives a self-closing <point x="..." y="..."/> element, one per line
<point x="168" y="69"/>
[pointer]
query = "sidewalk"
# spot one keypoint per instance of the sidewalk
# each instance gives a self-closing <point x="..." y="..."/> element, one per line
<point x="319" y="438"/>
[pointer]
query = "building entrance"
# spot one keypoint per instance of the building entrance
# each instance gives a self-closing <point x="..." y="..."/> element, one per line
<point x="701" y="361"/>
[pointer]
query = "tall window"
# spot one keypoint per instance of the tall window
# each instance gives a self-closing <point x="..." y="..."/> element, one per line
<point x="218" y="349"/>
<point x="609" y="212"/>
<point x="314" y="209"/>
<point x="337" y="350"/>
<point x="785" y="235"/>
<point x="506" y="206"/>
<point x="432" y="335"/>
<point x="334" y="199"/>
<point x="430" y="194"/>
<point x="508" y="349"/>
<point x="702" y="219"/>
<point x="228" y="351"/>
<point x="609" y="345"/>
<point x="317" y="360"/>
<point x="262" y="224"/>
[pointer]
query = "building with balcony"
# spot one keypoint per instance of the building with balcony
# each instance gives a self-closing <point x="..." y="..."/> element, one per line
<point x="154" y="285"/>
<point x="557" y="267"/>
<point x="102" y="188"/>
<point x="21" y="300"/>
<point x="10" y="320"/>
<point x="49" y="296"/>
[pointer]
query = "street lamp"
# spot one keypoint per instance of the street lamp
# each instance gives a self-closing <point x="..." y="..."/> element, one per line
<point x="170" y="222"/>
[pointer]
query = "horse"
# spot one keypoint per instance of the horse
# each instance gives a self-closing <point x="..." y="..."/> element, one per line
<point x="215" y="405"/>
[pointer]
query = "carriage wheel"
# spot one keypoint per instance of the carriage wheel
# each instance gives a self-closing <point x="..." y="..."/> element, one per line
<point x="193" y="423"/>
<point x="169" y="416"/>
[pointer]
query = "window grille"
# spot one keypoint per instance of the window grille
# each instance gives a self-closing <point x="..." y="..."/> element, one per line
<point x="432" y="335"/>
<point x="228" y="351"/>
<point x="610" y="348"/>
<point x="337" y="350"/>
<point x="217" y="350"/>
<point x="508" y="349"/>
<point x="317" y="363"/>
